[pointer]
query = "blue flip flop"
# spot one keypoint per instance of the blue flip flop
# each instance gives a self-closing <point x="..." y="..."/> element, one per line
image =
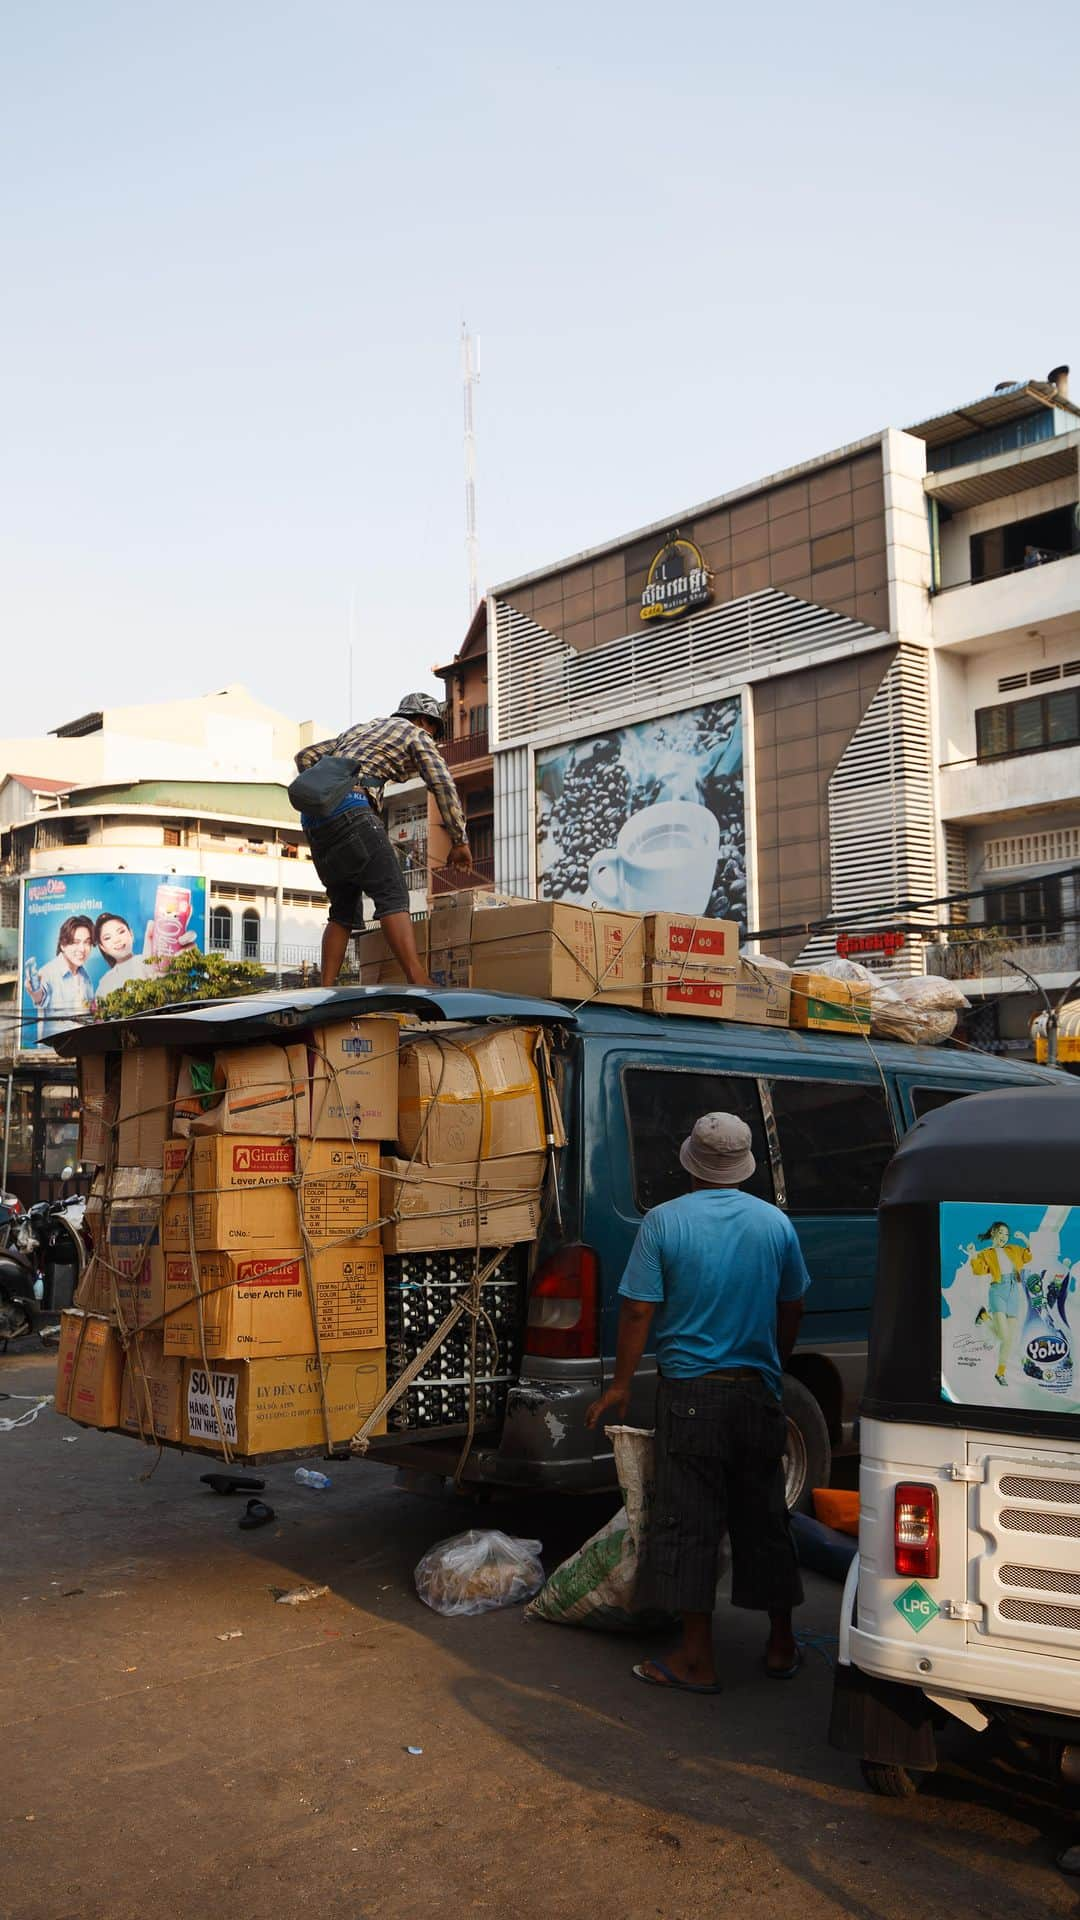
<point x="783" y="1673"/>
<point x="671" y="1681"/>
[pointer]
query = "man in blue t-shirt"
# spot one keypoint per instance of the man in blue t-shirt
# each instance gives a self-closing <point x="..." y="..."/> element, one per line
<point x="724" y="1277"/>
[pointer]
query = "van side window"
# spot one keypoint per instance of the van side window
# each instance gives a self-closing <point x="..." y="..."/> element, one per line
<point x="662" y="1106"/>
<point x="929" y="1099"/>
<point x="836" y="1139"/>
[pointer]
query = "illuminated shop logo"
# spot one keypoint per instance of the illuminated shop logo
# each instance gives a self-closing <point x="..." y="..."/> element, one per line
<point x="678" y="581"/>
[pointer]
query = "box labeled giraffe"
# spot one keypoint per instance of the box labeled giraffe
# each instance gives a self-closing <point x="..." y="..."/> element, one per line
<point x="230" y="1191"/>
<point x="259" y="1304"/>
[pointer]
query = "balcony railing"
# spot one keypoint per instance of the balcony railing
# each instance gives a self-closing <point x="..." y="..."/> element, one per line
<point x="471" y="746"/>
<point x="1047" y="556"/>
<point x="449" y="880"/>
<point x="979" y="953"/>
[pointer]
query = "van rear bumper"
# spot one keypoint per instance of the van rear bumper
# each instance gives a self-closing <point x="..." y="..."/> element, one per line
<point x="544" y="1441"/>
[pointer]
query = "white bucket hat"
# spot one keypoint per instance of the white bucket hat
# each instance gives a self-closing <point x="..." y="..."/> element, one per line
<point x="718" y="1150"/>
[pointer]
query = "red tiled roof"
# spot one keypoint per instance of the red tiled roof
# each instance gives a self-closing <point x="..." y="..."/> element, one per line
<point x="37" y="783"/>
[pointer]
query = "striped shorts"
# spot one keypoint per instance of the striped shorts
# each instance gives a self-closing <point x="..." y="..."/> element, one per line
<point x="719" y="1469"/>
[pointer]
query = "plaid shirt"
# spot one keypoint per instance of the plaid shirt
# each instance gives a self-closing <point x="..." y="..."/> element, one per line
<point x="394" y="750"/>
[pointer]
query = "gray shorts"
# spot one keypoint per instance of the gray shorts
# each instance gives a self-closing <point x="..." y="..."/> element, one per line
<point x="720" y="1469"/>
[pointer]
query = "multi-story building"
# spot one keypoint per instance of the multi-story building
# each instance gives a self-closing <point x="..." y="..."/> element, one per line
<point x="1002" y="494"/>
<point x="467" y="751"/>
<point x="822" y="703"/>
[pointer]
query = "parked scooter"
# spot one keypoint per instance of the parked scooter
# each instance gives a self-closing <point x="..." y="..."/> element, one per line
<point x="42" y="1255"/>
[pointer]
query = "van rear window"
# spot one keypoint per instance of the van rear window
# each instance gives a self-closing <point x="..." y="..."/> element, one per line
<point x="929" y="1099"/>
<point x="836" y="1140"/>
<point x="662" y="1106"/>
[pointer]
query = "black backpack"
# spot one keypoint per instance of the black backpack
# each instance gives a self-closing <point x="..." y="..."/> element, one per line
<point x="322" y="787"/>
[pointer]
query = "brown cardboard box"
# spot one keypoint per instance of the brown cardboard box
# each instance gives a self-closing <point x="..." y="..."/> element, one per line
<point x="147" y="1086"/>
<point x="91" y="1392"/>
<point x="99" y="1105"/>
<point x="193" y="1096"/>
<point x="377" y="965"/>
<point x="450" y="950"/>
<point x="152" y="1391"/>
<point x="472" y="1095"/>
<point x="821" y="1004"/>
<point x="72" y="1321"/>
<point x="264" y="1089"/>
<point x="681" y="990"/>
<point x="492" y="1205"/>
<point x="95" y="1292"/>
<point x="244" y="1197"/>
<point x="683" y="939"/>
<point x="256" y="1305"/>
<point x="276" y="1406"/>
<point x="131" y="1245"/>
<point x="558" y="952"/>
<point x="354" y="1080"/>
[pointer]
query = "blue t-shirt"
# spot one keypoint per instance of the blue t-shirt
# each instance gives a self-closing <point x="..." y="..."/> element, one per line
<point x="717" y="1262"/>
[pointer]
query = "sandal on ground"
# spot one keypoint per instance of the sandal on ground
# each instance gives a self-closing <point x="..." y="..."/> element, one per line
<point x="258" y="1515"/>
<point x="671" y="1680"/>
<point x="783" y="1673"/>
<point x="232" y="1482"/>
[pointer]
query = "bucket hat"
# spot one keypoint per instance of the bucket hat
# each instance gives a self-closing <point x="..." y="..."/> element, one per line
<point x="718" y="1150"/>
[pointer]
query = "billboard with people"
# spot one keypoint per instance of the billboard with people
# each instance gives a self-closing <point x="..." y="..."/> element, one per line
<point x="85" y="935"/>
<point x="648" y="817"/>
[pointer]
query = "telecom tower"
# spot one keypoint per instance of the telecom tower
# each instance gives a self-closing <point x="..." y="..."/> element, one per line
<point x="472" y="552"/>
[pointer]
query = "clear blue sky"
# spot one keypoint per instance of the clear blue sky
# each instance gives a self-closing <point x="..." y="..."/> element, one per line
<point x="697" y="244"/>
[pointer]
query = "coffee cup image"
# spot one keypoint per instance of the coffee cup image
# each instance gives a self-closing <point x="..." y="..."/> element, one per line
<point x="664" y="860"/>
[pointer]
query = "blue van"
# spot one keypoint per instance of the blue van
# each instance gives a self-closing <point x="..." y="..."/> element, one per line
<point x="825" y="1113"/>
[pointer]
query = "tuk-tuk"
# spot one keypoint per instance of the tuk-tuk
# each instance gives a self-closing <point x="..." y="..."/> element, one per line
<point x="964" y="1599"/>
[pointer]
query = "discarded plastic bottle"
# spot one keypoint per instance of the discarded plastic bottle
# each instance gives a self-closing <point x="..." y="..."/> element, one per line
<point x="307" y="1477"/>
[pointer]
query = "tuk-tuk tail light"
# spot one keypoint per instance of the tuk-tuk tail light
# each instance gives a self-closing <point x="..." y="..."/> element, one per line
<point x="916" y="1543"/>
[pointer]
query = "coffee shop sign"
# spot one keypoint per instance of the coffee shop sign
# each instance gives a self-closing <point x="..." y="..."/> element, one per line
<point x="678" y="581"/>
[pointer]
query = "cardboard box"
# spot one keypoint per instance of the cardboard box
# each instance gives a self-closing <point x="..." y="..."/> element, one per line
<point x="89" y="1371"/>
<point x="132" y="1248"/>
<point x="354" y="1080"/>
<point x="95" y="1292"/>
<point x="821" y="1004"/>
<point x="492" y="1205"/>
<point x="194" y="1091"/>
<point x="762" y="996"/>
<point x="147" y="1086"/>
<point x="276" y="1406"/>
<point x="473" y="1095"/>
<point x="376" y="963"/>
<point x="552" y="951"/>
<point x="678" y="990"/>
<point x="683" y="939"/>
<point x="243" y="1194"/>
<point x="152" y="1391"/>
<point x="450" y="940"/>
<point x="99" y="1106"/>
<point x="255" y="1305"/>
<point x="263" y="1089"/>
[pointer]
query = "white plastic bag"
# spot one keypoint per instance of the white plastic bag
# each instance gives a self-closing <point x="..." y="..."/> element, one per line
<point x="921" y="1011"/>
<point x="476" y="1571"/>
<point x="599" y="1585"/>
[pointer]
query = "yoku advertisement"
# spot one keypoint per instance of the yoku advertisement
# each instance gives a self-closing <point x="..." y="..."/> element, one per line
<point x="1008" y="1290"/>
<point x="85" y="935"/>
<point x="648" y="818"/>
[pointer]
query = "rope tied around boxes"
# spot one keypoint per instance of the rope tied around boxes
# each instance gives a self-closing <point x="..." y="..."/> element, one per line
<point x="470" y="1301"/>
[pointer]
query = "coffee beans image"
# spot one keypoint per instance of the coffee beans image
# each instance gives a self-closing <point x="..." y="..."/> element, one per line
<point x="588" y="790"/>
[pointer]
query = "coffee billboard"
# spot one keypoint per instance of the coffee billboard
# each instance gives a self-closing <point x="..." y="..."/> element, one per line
<point x="649" y="817"/>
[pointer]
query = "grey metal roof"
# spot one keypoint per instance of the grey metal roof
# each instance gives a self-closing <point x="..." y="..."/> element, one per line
<point x="990" y="411"/>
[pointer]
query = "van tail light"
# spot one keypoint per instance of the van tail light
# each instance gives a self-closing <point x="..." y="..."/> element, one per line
<point x="916" y="1545"/>
<point x="562" y="1322"/>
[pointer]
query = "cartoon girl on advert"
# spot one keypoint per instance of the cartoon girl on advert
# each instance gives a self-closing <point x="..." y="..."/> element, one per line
<point x="1002" y="1261"/>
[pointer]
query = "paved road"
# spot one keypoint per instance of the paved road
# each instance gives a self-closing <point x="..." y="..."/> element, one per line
<point x="150" y="1765"/>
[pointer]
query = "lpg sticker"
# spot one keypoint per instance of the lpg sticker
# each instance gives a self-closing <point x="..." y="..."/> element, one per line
<point x="201" y="1414"/>
<point x="916" y="1607"/>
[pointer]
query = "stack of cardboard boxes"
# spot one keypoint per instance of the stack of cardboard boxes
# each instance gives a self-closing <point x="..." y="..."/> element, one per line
<point x="252" y="1211"/>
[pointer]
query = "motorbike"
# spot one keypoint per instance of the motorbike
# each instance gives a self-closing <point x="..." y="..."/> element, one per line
<point x="43" y="1252"/>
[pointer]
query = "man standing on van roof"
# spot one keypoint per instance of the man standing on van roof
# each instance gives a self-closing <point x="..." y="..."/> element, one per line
<point x="724" y="1275"/>
<point x="350" y="848"/>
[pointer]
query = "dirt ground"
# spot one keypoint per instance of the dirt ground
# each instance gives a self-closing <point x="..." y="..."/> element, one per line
<point x="151" y="1764"/>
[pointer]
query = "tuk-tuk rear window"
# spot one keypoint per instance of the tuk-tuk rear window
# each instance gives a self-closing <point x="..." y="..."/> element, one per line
<point x="836" y="1140"/>
<point x="662" y="1106"/>
<point x="929" y="1099"/>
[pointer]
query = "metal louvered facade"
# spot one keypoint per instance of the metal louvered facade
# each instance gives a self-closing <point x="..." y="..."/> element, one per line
<point x="540" y="685"/>
<point x="882" y="834"/>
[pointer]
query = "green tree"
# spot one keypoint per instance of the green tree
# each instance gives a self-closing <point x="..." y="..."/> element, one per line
<point x="192" y="976"/>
